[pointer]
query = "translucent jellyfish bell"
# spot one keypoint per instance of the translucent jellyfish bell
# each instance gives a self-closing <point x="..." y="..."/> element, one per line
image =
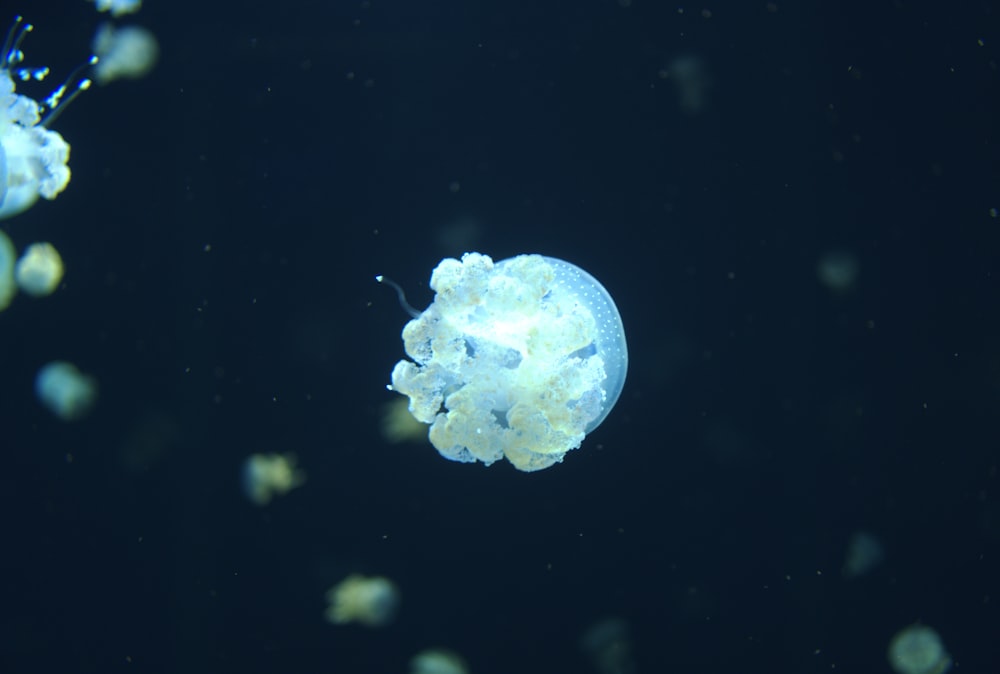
<point x="518" y="359"/>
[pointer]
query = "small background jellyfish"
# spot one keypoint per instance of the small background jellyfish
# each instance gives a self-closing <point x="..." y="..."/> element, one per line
<point x="370" y="601"/>
<point x="265" y="476"/>
<point x="864" y="552"/>
<point x="39" y="270"/>
<point x="8" y="287"/>
<point x="65" y="391"/>
<point x="118" y="7"/>
<point x="129" y="52"/>
<point x="438" y="661"/>
<point x="517" y="360"/>
<point x="918" y="650"/>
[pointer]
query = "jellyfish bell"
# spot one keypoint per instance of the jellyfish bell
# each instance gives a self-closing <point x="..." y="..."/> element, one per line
<point x="33" y="158"/>
<point x="517" y="360"/>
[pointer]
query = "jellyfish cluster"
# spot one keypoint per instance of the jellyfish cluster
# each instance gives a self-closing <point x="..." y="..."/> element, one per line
<point x="519" y="360"/>
<point x="34" y="164"/>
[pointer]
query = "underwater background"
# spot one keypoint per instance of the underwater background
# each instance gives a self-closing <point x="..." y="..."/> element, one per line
<point x="225" y="220"/>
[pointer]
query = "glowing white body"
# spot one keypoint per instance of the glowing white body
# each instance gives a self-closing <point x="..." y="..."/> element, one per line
<point x="518" y="359"/>
<point x="33" y="159"/>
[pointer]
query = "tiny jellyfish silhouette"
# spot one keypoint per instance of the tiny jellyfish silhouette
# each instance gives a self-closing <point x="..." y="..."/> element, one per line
<point x="517" y="360"/>
<point x="265" y="476"/>
<point x="65" y="391"/>
<point x="918" y="650"/>
<point x="438" y="661"/>
<point x="370" y="601"/>
<point x="33" y="158"/>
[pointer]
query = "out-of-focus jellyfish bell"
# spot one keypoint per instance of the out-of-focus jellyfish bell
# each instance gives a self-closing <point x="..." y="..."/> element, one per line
<point x="918" y="650"/>
<point x="398" y="425"/>
<point x="118" y="7"/>
<point x="370" y="601"/>
<point x="33" y="158"/>
<point x="39" y="270"/>
<point x="864" y="553"/>
<point x="123" y="53"/>
<point x="65" y="391"/>
<point x="518" y="359"/>
<point x="267" y="475"/>
<point x="609" y="646"/>
<point x="7" y="256"/>
<point x="838" y="270"/>
<point x="438" y="661"/>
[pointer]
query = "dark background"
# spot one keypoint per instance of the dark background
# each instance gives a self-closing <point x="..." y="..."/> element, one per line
<point x="312" y="145"/>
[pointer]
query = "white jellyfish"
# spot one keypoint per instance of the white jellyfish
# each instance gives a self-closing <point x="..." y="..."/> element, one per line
<point x="65" y="391"/>
<point x="267" y="475"/>
<point x="33" y="158"/>
<point x="123" y="53"/>
<point x="918" y="650"/>
<point x="518" y="359"/>
<point x="370" y="601"/>
<point x="118" y="7"/>
<point x="39" y="270"/>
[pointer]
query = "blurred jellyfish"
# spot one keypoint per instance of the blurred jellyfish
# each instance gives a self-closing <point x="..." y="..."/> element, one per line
<point x="123" y="53"/>
<point x="65" y="391"/>
<point x="398" y="425"/>
<point x="517" y="360"/>
<point x="40" y="270"/>
<point x="838" y="270"/>
<point x="691" y="81"/>
<point x="8" y="288"/>
<point x="370" y="601"/>
<point x="268" y="475"/>
<point x="118" y="7"/>
<point x="33" y="158"/>
<point x="864" y="553"/>
<point x="918" y="650"/>
<point x="609" y="647"/>
<point x="438" y="661"/>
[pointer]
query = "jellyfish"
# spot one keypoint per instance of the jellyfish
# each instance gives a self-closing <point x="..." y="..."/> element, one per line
<point x="39" y="270"/>
<point x="123" y="53"/>
<point x="864" y="553"/>
<point x="65" y="391"/>
<point x="33" y="158"/>
<point x="370" y="601"/>
<point x="438" y="661"/>
<point x="267" y="475"/>
<point x="918" y="650"/>
<point x="517" y="360"/>
<point x="118" y="7"/>
<point x="8" y="288"/>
